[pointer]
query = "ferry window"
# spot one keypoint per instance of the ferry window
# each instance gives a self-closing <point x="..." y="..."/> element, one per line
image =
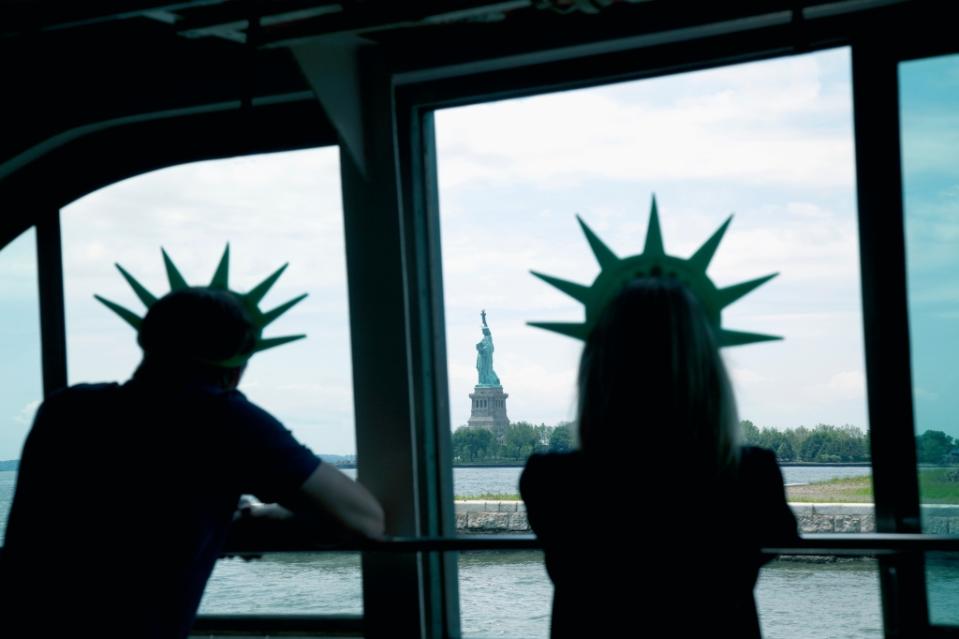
<point x="20" y="364"/>
<point x="770" y="142"/>
<point x="929" y="103"/>
<point x="272" y="209"/>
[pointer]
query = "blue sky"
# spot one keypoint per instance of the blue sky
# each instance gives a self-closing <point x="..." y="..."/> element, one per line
<point x="770" y="142"/>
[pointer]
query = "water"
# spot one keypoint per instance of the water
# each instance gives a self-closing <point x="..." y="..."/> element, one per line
<point x="302" y="583"/>
<point x="508" y="594"/>
<point x="809" y="474"/>
<point x="517" y="606"/>
<point x="469" y="482"/>
<point x="8" y="481"/>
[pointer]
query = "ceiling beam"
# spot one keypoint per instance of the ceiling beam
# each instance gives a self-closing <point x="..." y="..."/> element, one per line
<point x="387" y="16"/>
<point x="30" y="17"/>
<point x="235" y="16"/>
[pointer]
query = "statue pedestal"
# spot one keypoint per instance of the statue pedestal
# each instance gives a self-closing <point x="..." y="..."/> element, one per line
<point x="489" y="408"/>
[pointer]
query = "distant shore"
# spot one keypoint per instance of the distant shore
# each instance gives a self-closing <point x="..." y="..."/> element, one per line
<point x="866" y="464"/>
<point x="14" y="464"/>
<point x="521" y="464"/>
<point x="511" y="464"/>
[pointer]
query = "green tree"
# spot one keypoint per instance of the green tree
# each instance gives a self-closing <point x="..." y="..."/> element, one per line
<point x="933" y="446"/>
<point x="824" y="443"/>
<point x="853" y="444"/>
<point x="522" y="440"/>
<point x="785" y="451"/>
<point x="771" y="438"/>
<point x="472" y="444"/>
<point x="560" y="439"/>
<point x="814" y="446"/>
<point x="749" y="432"/>
<point x="797" y="437"/>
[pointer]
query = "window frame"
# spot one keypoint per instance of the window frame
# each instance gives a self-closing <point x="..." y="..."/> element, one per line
<point x="881" y="238"/>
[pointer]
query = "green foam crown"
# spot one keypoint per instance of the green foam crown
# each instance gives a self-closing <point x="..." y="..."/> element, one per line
<point x="617" y="272"/>
<point x="220" y="281"/>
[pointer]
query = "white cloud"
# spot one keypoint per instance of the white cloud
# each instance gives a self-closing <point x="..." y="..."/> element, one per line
<point x="746" y="377"/>
<point x="848" y="384"/>
<point x="922" y="393"/>
<point x="735" y="123"/>
<point x="26" y="414"/>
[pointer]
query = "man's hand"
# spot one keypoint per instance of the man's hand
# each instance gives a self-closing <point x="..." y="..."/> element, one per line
<point x="252" y="508"/>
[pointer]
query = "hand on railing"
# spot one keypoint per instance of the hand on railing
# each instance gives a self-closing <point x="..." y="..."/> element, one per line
<point x="252" y="508"/>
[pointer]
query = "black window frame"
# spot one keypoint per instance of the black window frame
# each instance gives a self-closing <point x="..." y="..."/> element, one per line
<point x="877" y="47"/>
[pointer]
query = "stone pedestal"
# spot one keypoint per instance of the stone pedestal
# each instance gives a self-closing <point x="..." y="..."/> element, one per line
<point x="489" y="408"/>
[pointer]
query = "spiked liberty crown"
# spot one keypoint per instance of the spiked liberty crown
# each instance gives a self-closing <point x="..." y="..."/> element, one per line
<point x="617" y="272"/>
<point x="250" y="302"/>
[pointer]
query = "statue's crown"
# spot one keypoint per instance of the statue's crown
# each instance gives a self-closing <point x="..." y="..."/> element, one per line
<point x="617" y="272"/>
<point x="220" y="281"/>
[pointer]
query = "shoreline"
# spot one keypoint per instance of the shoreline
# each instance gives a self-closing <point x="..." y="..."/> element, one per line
<point x="509" y="517"/>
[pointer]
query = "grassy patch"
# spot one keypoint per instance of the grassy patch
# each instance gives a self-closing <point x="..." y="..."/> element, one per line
<point x="936" y="486"/>
<point x="833" y="491"/>
<point x="489" y="497"/>
<point x="939" y="486"/>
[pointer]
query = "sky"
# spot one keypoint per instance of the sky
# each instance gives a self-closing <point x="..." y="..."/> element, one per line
<point x="770" y="142"/>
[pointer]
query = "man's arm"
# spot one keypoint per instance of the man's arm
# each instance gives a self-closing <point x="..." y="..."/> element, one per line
<point x="272" y="464"/>
<point x="326" y="498"/>
<point x="348" y="502"/>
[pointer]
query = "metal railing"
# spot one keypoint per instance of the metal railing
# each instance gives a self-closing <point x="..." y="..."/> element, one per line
<point x="853" y="544"/>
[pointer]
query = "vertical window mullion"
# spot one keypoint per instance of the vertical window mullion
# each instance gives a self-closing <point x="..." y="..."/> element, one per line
<point x="386" y="436"/>
<point x="52" y="319"/>
<point x="421" y="212"/>
<point x="886" y="329"/>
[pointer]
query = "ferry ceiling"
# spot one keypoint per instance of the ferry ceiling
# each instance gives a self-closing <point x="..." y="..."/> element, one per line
<point x="97" y="91"/>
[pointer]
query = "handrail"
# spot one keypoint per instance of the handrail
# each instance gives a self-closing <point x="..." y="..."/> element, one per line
<point x="851" y="544"/>
<point x="854" y="544"/>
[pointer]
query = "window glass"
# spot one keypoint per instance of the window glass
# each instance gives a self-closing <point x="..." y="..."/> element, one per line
<point x="770" y="142"/>
<point x="929" y="102"/>
<point x="20" y="366"/>
<point x="271" y="209"/>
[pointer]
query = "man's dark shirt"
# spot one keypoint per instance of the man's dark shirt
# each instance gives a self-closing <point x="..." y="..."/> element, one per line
<point x="123" y="500"/>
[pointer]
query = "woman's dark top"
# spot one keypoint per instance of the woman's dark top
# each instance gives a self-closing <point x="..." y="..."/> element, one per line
<point x="655" y="552"/>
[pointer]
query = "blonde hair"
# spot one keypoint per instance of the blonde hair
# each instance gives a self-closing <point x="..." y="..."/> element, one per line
<point x="651" y="374"/>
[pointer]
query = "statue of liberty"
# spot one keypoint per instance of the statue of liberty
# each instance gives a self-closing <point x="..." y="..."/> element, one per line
<point x="484" y="357"/>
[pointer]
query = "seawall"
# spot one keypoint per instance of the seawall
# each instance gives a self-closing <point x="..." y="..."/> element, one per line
<point x="509" y="517"/>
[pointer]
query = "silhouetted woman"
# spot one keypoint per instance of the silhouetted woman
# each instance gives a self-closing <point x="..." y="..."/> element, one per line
<point x="653" y="528"/>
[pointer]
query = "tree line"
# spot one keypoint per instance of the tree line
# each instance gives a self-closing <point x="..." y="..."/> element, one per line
<point x="514" y="443"/>
<point x="820" y="444"/>
<point x="823" y="443"/>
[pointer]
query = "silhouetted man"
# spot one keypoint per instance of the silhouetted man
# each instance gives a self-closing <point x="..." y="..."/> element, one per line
<point x="125" y="492"/>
